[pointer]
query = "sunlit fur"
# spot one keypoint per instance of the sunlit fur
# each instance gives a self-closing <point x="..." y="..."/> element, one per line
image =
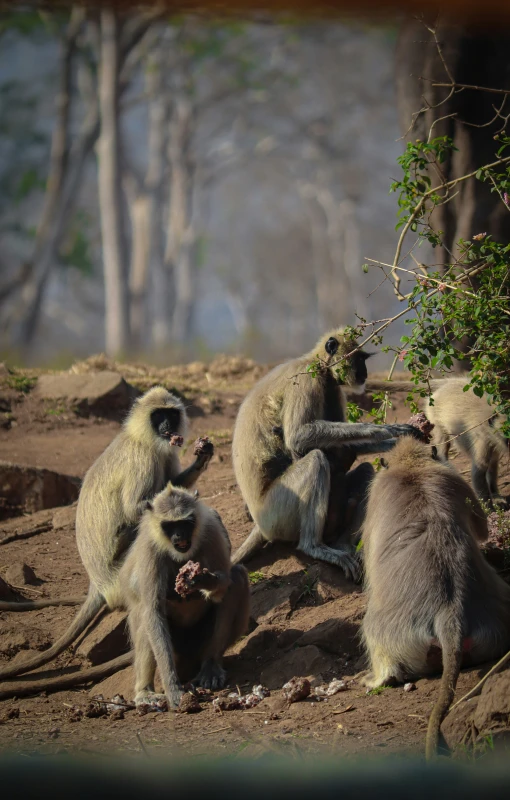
<point x="132" y="469"/>
<point x="138" y="423"/>
<point x="460" y="414"/>
<point x="425" y="576"/>
<point x="344" y="346"/>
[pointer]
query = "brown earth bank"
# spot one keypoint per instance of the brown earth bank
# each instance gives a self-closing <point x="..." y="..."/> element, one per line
<point x="307" y="614"/>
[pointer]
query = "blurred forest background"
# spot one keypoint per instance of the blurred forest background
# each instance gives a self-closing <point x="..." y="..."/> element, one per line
<point x="175" y="187"/>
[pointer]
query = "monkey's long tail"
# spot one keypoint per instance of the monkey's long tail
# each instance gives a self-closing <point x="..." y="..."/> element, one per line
<point x="250" y="546"/>
<point x="450" y="637"/>
<point x="61" y="682"/>
<point x="94" y="602"/>
<point x="31" y="605"/>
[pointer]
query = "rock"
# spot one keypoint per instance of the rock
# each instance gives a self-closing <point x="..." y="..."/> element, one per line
<point x="270" y="603"/>
<point x="458" y="725"/>
<point x="21" y="575"/>
<point x="493" y="708"/>
<point x="122" y="682"/>
<point x="330" y="582"/>
<point x="29" y="489"/>
<point x="329" y="635"/>
<point x="64" y="517"/>
<point x="17" y="637"/>
<point x="251" y="646"/>
<point x="288" y="637"/>
<point x="7" y="593"/>
<point x="104" y="393"/>
<point x="107" y="640"/>
<point x="306" y="661"/>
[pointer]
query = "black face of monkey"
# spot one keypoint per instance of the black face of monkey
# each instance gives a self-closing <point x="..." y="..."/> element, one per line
<point x="165" y="421"/>
<point x="331" y="346"/>
<point x="359" y="366"/>
<point x="180" y="533"/>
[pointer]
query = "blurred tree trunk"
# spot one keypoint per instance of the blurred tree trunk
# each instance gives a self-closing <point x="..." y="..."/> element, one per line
<point x="56" y="205"/>
<point x="117" y="329"/>
<point x="147" y="206"/>
<point x="178" y="265"/>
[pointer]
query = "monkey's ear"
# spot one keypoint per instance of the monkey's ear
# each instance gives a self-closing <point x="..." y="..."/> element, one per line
<point x="149" y="506"/>
<point x="383" y="462"/>
<point x="434" y="453"/>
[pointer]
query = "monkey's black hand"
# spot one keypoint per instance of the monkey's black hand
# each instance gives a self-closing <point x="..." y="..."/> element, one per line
<point x="203" y="449"/>
<point x="204" y="580"/>
<point x="406" y="430"/>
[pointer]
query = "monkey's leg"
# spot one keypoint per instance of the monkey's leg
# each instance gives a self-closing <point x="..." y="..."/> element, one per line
<point x="357" y="485"/>
<point x="384" y="671"/>
<point x="156" y="629"/>
<point x="479" y="481"/>
<point x="145" y="664"/>
<point x="492" y="480"/>
<point x="230" y="623"/>
<point x="250" y="546"/>
<point x="296" y="507"/>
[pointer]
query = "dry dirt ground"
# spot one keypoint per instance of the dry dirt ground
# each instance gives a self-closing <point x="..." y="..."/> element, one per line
<point x="308" y="616"/>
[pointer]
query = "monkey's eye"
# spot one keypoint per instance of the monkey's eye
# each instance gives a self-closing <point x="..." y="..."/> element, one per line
<point x="331" y="346"/>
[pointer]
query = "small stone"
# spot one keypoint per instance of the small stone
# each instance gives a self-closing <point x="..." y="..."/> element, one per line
<point x="409" y="687"/>
<point x="189" y="704"/>
<point x="21" y="575"/>
<point x="118" y="714"/>
<point x="296" y="689"/>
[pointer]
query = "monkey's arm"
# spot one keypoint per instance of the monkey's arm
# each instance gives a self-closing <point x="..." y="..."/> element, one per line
<point x="322" y="435"/>
<point x="135" y="493"/>
<point x="366" y="448"/>
<point x="153" y="587"/>
<point x="204" y="451"/>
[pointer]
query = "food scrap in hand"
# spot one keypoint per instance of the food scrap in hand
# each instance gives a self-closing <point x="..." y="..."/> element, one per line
<point x="185" y="575"/>
<point x="203" y="446"/>
<point x="296" y="689"/>
<point x="421" y="422"/>
<point x="176" y="440"/>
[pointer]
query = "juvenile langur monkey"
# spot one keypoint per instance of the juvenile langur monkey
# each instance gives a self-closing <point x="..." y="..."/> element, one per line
<point x="467" y="417"/>
<point x="133" y="468"/>
<point x="292" y="448"/>
<point x="176" y="528"/>
<point x="426" y="579"/>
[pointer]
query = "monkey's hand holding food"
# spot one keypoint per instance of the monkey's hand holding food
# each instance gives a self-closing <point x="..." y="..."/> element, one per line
<point x="176" y="440"/>
<point x="185" y="578"/>
<point x="422" y="424"/>
<point x="203" y="449"/>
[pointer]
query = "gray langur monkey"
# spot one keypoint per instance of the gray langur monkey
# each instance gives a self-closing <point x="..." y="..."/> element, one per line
<point x="292" y="449"/>
<point x="468" y="417"/>
<point x="170" y="631"/>
<point x="134" y="467"/>
<point x="427" y="582"/>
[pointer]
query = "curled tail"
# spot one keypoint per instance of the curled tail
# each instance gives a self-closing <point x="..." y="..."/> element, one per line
<point x="450" y="638"/>
<point x="60" y="682"/>
<point x="250" y="546"/>
<point x="32" y="605"/>
<point x="93" y="603"/>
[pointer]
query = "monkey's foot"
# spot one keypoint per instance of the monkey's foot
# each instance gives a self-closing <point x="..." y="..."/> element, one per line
<point x="340" y="558"/>
<point x="373" y="681"/>
<point x="211" y="676"/>
<point x="152" y="701"/>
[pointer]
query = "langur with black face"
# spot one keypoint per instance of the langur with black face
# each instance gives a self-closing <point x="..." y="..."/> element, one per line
<point x="472" y="426"/>
<point x="133" y="468"/>
<point x="174" y="632"/>
<point x="427" y="581"/>
<point x="292" y="451"/>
